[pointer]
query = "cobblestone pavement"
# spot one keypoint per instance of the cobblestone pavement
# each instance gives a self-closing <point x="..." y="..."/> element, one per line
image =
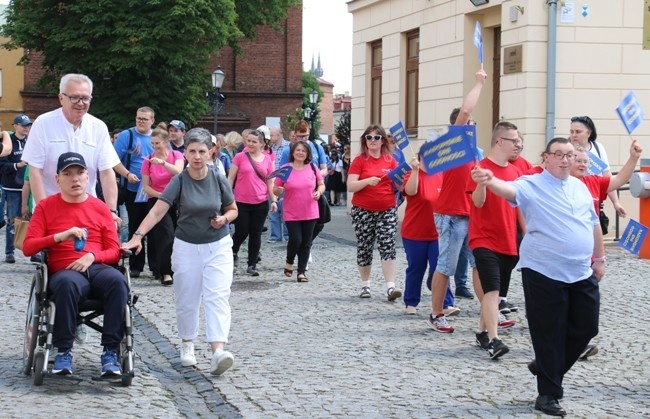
<point x="317" y="350"/>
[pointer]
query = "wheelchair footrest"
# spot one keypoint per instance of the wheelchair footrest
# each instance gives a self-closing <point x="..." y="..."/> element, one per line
<point x="71" y="378"/>
<point x="113" y="377"/>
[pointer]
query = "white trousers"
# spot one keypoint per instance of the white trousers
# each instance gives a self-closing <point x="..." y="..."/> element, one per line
<point x="203" y="270"/>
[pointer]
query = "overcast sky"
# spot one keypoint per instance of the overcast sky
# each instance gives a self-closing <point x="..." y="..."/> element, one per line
<point x="327" y="28"/>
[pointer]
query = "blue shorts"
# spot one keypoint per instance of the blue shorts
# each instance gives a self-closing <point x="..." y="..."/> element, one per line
<point x="452" y="240"/>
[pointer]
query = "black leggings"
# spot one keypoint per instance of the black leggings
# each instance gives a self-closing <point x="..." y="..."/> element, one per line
<point x="300" y="238"/>
<point x="163" y="235"/>
<point x="249" y="223"/>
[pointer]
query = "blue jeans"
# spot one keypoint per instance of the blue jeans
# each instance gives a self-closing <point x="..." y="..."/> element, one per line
<point x="452" y="241"/>
<point x="278" y="228"/>
<point x="419" y="254"/>
<point x="14" y="202"/>
<point x="3" y="199"/>
<point x="460" y="277"/>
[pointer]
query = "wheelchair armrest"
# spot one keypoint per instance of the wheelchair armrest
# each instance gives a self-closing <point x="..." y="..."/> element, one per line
<point x="125" y="252"/>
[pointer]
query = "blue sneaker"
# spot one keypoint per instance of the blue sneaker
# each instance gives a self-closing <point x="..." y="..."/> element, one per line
<point x="63" y="363"/>
<point x="110" y="363"/>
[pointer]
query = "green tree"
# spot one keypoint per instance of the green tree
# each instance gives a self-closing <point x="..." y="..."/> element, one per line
<point x="151" y="52"/>
<point x="309" y="84"/>
<point x="342" y="129"/>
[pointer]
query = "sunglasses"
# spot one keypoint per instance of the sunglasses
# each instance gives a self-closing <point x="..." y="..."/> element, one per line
<point x="583" y="119"/>
<point x="369" y="137"/>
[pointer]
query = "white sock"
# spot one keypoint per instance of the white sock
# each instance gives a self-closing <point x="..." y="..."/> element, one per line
<point x="390" y="285"/>
<point x="365" y="283"/>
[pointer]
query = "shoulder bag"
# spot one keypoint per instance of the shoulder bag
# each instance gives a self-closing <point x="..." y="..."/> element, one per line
<point x="324" y="212"/>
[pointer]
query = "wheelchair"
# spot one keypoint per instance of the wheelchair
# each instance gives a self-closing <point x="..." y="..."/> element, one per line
<point x="39" y="326"/>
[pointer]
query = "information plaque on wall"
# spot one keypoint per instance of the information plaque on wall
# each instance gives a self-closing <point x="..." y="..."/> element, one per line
<point x="512" y="59"/>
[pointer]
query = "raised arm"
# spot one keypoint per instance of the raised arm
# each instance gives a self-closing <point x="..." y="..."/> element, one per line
<point x="471" y="99"/>
<point x="627" y="170"/>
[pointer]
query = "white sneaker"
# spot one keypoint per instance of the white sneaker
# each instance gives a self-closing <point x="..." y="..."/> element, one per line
<point x="80" y="334"/>
<point x="221" y="362"/>
<point x="451" y="311"/>
<point x="187" y="354"/>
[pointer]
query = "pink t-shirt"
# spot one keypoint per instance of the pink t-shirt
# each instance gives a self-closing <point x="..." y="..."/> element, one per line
<point x="249" y="188"/>
<point x="299" y="203"/>
<point x="159" y="177"/>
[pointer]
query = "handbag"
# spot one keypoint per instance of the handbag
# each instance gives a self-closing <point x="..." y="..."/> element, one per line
<point x="324" y="212"/>
<point x="604" y="222"/>
<point x="20" y="231"/>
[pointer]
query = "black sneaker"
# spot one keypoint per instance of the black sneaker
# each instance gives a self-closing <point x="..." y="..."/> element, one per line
<point x="496" y="348"/>
<point x="463" y="292"/>
<point x="483" y="340"/>
<point x="365" y="292"/>
<point x="503" y="307"/>
<point x="135" y="274"/>
<point x="513" y="307"/>
<point x="10" y="258"/>
<point x="252" y="271"/>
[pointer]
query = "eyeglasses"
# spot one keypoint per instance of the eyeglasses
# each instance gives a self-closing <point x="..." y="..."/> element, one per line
<point x="141" y="119"/>
<point x="515" y="141"/>
<point x="560" y="155"/>
<point x="471" y="122"/>
<point x="76" y="99"/>
<point x="303" y="137"/>
<point x="369" y="137"/>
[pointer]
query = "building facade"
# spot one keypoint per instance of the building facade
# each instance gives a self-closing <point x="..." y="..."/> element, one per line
<point x="546" y="60"/>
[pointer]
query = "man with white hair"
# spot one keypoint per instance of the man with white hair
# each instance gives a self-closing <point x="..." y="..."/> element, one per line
<point x="71" y="128"/>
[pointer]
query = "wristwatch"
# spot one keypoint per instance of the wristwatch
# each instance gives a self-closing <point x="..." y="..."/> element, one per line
<point x="138" y="233"/>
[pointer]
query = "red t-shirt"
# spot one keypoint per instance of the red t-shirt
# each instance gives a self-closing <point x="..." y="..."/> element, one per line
<point x="494" y="225"/>
<point x="522" y="164"/>
<point x="53" y="215"/>
<point x="453" y="200"/>
<point x="597" y="186"/>
<point x="380" y="197"/>
<point x="418" y="221"/>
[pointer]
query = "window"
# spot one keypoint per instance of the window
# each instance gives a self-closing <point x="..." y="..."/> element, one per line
<point x="412" y="75"/>
<point x="375" y="82"/>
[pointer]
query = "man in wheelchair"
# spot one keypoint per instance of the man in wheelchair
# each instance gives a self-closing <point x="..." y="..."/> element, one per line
<point x="61" y="223"/>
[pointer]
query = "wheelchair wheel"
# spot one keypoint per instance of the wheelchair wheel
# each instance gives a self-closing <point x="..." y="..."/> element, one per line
<point x="39" y="364"/>
<point x="30" y="337"/>
<point x="127" y="371"/>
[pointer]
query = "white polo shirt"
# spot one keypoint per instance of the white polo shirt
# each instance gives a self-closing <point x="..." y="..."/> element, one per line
<point x="52" y="135"/>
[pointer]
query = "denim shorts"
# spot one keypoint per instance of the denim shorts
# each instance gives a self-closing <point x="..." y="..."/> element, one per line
<point x="452" y="240"/>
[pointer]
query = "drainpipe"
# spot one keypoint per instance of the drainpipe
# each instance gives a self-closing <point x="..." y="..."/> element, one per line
<point x="551" y="54"/>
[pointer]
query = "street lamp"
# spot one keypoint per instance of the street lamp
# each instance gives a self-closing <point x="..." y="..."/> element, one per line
<point x="313" y="112"/>
<point x="216" y="99"/>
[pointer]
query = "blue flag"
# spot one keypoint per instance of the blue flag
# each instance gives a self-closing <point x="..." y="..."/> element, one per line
<point x="455" y="148"/>
<point x="596" y="165"/>
<point x="633" y="237"/>
<point x="478" y="41"/>
<point x="398" y="173"/>
<point x="141" y="195"/>
<point x="630" y="112"/>
<point x="282" y="173"/>
<point x="399" y="135"/>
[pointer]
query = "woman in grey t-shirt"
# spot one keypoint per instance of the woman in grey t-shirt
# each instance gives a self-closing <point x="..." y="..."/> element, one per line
<point x="202" y="258"/>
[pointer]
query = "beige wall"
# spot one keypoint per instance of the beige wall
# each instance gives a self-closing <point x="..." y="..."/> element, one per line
<point x="599" y="59"/>
<point x="11" y="102"/>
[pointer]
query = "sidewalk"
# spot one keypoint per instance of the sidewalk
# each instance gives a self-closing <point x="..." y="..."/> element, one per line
<point x="317" y="350"/>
